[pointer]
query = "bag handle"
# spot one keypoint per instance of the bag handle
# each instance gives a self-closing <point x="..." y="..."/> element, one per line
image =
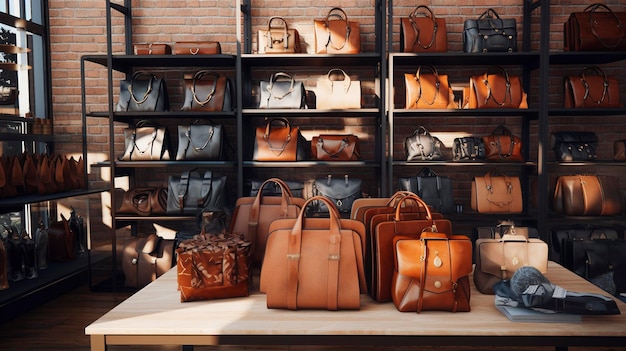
<point x="341" y="15"/>
<point x="593" y="24"/>
<point x="274" y="78"/>
<point x="421" y="203"/>
<point x="146" y="94"/>
<point x="419" y="83"/>
<point x="346" y="79"/>
<point x="419" y="132"/>
<point x="507" y="91"/>
<point x="190" y="140"/>
<point x="428" y="14"/>
<point x="503" y="131"/>
<point x="266" y="136"/>
<point x="198" y="76"/>
<point x="491" y="15"/>
<point x="605" y="84"/>
<point x="320" y="147"/>
<point x="284" y="27"/>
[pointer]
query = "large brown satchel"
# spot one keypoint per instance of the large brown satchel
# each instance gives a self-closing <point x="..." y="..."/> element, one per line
<point x="279" y="143"/>
<point x="587" y="195"/>
<point x="335" y="34"/>
<point x="595" y="30"/>
<point x="335" y="147"/>
<point x="207" y="91"/>
<point x="496" y="194"/>
<point x="591" y="90"/>
<point x="499" y="90"/>
<point x="502" y="145"/>
<point x="421" y="31"/>
<point x="428" y="90"/>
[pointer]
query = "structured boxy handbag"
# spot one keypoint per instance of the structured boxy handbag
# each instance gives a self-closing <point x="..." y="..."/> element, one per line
<point x="333" y="93"/>
<point x="587" y="195"/>
<point x="335" y="147"/>
<point x="574" y="146"/>
<point x="503" y="146"/>
<point x="279" y="143"/>
<point x="468" y="148"/>
<point x="422" y="146"/>
<point x="197" y="48"/>
<point x="273" y="188"/>
<point x="314" y="263"/>
<point x="426" y="88"/>
<point x="560" y="234"/>
<point x="278" y="38"/>
<point x="200" y="142"/>
<point x="152" y="49"/>
<point x="207" y="91"/>
<point x="195" y="191"/>
<point x="144" y="201"/>
<point x="421" y="31"/>
<point x="252" y="215"/>
<point x="597" y="28"/>
<point x="619" y="150"/>
<point x="431" y="273"/>
<point x="493" y="193"/>
<point x="498" y="259"/>
<point x="591" y="90"/>
<point x="213" y="266"/>
<point x="282" y="91"/>
<point x="143" y="92"/>
<point x="490" y="33"/>
<point x="434" y="189"/>
<point x="341" y="191"/>
<point x="147" y="141"/>
<point x="336" y="34"/>
<point x="146" y="258"/>
<point x="496" y="90"/>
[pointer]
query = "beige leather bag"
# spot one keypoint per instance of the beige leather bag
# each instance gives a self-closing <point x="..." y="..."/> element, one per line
<point x="334" y="93"/>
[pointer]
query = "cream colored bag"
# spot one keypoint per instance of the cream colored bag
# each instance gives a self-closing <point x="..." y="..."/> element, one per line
<point x="337" y="94"/>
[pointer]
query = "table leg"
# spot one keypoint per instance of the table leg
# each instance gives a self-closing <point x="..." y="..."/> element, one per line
<point x="97" y="343"/>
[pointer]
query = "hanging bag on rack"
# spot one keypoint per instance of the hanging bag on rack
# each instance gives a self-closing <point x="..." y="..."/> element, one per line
<point x="335" y="34"/>
<point x="428" y="90"/>
<point x="591" y="90"/>
<point x="146" y="142"/>
<point x="421" y="31"/>
<point x="597" y="28"/>
<point x="422" y="146"/>
<point x="496" y="90"/>
<point x="332" y="93"/>
<point x="493" y="193"/>
<point x="490" y="33"/>
<point x="207" y="91"/>
<point x="278" y="39"/>
<point x="283" y="143"/>
<point x="139" y="94"/>
<point x="200" y="142"/>
<point x="282" y="91"/>
<point x="503" y="146"/>
<point x="195" y="191"/>
<point x="434" y="189"/>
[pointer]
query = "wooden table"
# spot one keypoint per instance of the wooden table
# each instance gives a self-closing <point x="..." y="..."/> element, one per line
<point x="155" y="316"/>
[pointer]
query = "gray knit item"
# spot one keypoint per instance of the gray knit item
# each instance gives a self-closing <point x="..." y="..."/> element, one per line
<point x="525" y="277"/>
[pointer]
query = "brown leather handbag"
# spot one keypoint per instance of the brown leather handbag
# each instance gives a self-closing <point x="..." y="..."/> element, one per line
<point x="314" y="263"/>
<point x="279" y="143"/>
<point x="152" y="49"/>
<point x="493" y="193"/>
<point x="421" y="31"/>
<point x="197" y="48"/>
<point x="336" y="34"/>
<point x="144" y="201"/>
<point x="428" y="90"/>
<point x="591" y="90"/>
<point x="146" y="258"/>
<point x="499" y="90"/>
<point x="431" y="273"/>
<point x="587" y="195"/>
<point x="335" y="147"/>
<point x="278" y="39"/>
<point x="61" y="240"/>
<point x="597" y="28"/>
<point x="497" y="259"/>
<point x="503" y="146"/>
<point x="207" y="91"/>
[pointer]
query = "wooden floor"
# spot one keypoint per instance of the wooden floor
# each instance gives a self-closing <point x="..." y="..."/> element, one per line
<point x="60" y="323"/>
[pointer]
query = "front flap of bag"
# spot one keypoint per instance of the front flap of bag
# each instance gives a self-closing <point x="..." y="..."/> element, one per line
<point x="496" y="194"/>
<point x="339" y="188"/>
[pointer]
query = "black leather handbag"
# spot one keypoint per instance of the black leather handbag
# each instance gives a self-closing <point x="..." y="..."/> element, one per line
<point x="341" y="191"/>
<point x="143" y="92"/>
<point x="195" y="191"/>
<point x="434" y="189"/>
<point x="490" y="33"/>
<point x="468" y="148"/>
<point x="422" y="146"/>
<point x="574" y="146"/>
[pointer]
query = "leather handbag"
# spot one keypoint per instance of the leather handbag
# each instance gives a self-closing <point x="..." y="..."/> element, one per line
<point x="274" y="189"/>
<point x="278" y="39"/>
<point x="498" y="259"/>
<point x="490" y="33"/>
<point x="252" y="215"/>
<point x="147" y="141"/>
<point x="422" y="146"/>
<point x="434" y="189"/>
<point x="8" y="95"/>
<point x="197" y="48"/>
<point x="503" y="146"/>
<point x="282" y="91"/>
<point x="61" y="240"/>
<point x="428" y="90"/>
<point x="619" y="150"/>
<point x="468" y="149"/>
<point x="340" y="191"/>
<point x="560" y="234"/>
<point x="279" y="143"/>
<point x="597" y="28"/>
<point x="146" y="258"/>
<point x="574" y="146"/>
<point x="591" y="90"/>
<point x="431" y="273"/>
<point x="335" y="147"/>
<point x="332" y="93"/>
<point x="143" y="92"/>
<point x="587" y="195"/>
<point x="200" y="142"/>
<point x="493" y="193"/>
<point x="499" y="90"/>
<point x="152" y="49"/>
<point x="195" y="191"/>
<point x="421" y="31"/>
<point x="144" y="201"/>
<point x="207" y="91"/>
<point x="336" y="34"/>
<point x="213" y="266"/>
<point x="314" y="263"/>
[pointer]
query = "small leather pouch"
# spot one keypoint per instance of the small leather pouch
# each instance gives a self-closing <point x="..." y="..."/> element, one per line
<point x="197" y="48"/>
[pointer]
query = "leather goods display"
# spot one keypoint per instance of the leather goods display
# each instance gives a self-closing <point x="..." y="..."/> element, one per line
<point x="422" y="146"/>
<point x="498" y="259"/>
<point x="341" y="191"/>
<point x="278" y="38"/>
<point x="61" y="241"/>
<point x="496" y="90"/>
<point x="282" y="91"/>
<point x="282" y="142"/>
<point x="314" y="263"/>
<point x="213" y="266"/>
<point x="200" y="142"/>
<point x="426" y="88"/>
<point x="147" y="141"/>
<point x="207" y="91"/>
<point x="334" y="93"/>
<point x="434" y="189"/>
<point x="619" y="150"/>
<point x="421" y="31"/>
<point x="468" y="149"/>
<point x="144" y="201"/>
<point x="146" y="258"/>
<point x="273" y="188"/>
<point x="197" y="48"/>
<point x="503" y="146"/>
<point x="559" y="234"/>
<point x="591" y="90"/>
<point x="335" y="147"/>
<point x="597" y="28"/>
<point x="152" y="49"/>
<point x="195" y="191"/>
<point x="490" y="33"/>
<point x="574" y="146"/>
<point x="587" y="195"/>
<point x="431" y="273"/>
<point x="493" y="193"/>
<point x="143" y="92"/>
<point x="252" y="215"/>
<point x="336" y="34"/>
